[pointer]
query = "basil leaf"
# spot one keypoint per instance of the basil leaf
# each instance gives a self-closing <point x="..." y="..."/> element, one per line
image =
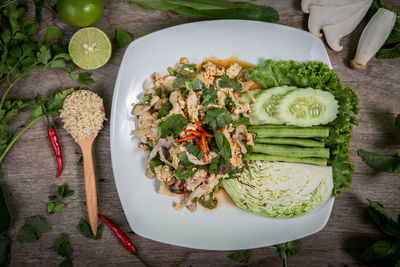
<point x="380" y="162"/>
<point x="218" y="118"/>
<point x="86" y="230"/>
<point x="63" y="247"/>
<point x="164" y="110"/>
<point x="173" y="125"/>
<point x="184" y="159"/>
<point x="223" y="145"/>
<point x="216" y="164"/>
<point x="382" y="253"/>
<point x="154" y="162"/>
<point x="383" y="219"/>
<point x="122" y="37"/>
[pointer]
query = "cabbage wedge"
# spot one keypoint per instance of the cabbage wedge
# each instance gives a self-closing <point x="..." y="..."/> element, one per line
<point x="281" y="189"/>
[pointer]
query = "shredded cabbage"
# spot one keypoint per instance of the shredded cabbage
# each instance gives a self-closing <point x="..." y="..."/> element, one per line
<point x="281" y="189"/>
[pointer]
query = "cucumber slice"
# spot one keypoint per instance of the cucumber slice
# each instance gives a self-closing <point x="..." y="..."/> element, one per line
<point x="307" y="107"/>
<point x="263" y="110"/>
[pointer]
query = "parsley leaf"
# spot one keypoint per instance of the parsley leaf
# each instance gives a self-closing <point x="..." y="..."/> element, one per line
<point x="223" y="145"/>
<point x="122" y="37"/>
<point x="57" y="205"/>
<point x="226" y="82"/>
<point x="242" y="256"/>
<point x="218" y="118"/>
<point x="86" y="230"/>
<point x="53" y="32"/>
<point x="33" y="228"/>
<point x="186" y="73"/>
<point x="173" y="125"/>
<point x="209" y="96"/>
<point x="287" y="249"/>
<point x="63" y="247"/>
<point x="195" y="151"/>
<point x="164" y="110"/>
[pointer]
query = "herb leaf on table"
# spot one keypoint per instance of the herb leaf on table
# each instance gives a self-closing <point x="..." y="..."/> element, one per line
<point x="86" y="230"/>
<point x="33" y="228"/>
<point x="287" y="249"/>
<point x="242" y="256"/>
<point x="122" y="37"/>
<point x="63" y="247"/>
<point x="57" y="205"/>
<point x="211" y="8"/>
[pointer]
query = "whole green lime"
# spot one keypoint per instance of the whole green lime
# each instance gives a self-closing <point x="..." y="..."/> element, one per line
<point x="81" y="13"/>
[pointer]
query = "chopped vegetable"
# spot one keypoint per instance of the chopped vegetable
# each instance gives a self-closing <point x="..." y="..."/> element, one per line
<point x="290" y="141"/>
<point x="282" y="131"/>
<point x="315" y="161"/>
<point x="280" y="189"/>
<point x="211" y="8"/>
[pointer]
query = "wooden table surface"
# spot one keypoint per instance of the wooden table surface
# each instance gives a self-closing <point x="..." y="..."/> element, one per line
<point x="29" y="169"/>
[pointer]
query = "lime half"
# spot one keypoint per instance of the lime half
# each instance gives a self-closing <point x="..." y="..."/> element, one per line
<point x="90" y="48"/>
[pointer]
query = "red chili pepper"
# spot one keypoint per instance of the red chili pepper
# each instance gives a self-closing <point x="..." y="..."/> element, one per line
<point x="55" y="144"/>
<point x="186" y="138"/>
<point x="197" y="133"/>
<point x="125" y="240"/>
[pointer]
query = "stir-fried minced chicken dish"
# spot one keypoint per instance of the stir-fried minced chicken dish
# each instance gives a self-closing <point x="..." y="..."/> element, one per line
<point x="193" y="128"/>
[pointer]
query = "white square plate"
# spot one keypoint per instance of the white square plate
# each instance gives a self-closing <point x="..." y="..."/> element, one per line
<point x="150" y="214"/>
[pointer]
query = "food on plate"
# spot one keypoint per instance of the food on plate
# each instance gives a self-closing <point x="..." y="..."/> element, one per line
<point x="275" y="136"/>
<point x="280" y="189"/>
<point x="186" y="127"/>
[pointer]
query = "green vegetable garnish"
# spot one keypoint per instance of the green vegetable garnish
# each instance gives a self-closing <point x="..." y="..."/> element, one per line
<point x="33" y="228"/>
<point x="63" y="248"/>
<point x="173" y="125"/>
<point x="122" y="37"/>
<point x="227" y="82"/>
<point x="218" y="118"/>
<point x="86" y="230"/>
<point x="57" y="205"/>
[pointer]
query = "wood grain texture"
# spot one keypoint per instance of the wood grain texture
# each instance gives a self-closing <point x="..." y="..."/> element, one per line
<point x="30" y="167"/>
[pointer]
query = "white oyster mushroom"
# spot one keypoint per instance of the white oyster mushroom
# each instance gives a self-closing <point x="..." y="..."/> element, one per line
<point x="305" y="4"/>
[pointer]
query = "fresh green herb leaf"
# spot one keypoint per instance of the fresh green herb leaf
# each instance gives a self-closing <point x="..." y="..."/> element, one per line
<point x="146" y="99"/>
<point x="194" y="85"/>
<point x="209" y="96"/>
<point x="122" y="37"/>
<point x="186" y="172"/>
<point x="242" y="256"/>
<point x="211" y="8"/>
<point x="86" y="230"/>
<point x="241" y="121"/>
<point x="53" y="32"/>
<point x="380" y="162"/>
<point x="159" y="92"/>
<point x="154" y="162"/>
<point x="186" y="73"/>
<point x="184" y="159"/>
<point x="287" y="249"/>
<point x="382" y="253"/>
<point x="164" y="110"/>
<point x="383" y="219"/>
<point x="389" y="52"/>
<point x="5" y="216"/>
<point x="33" y="228"/>
<point x="218" y="118"/>
<point x="229" y="104"/>
<point x="226" y="82"/>
<point x="174" y="125"/>
<point x="223" y="145"/>
<point x="63" y="247"/>
<point x="210" y="203"/>
<point x="171" y="71"/>
<point x="195" y="151"/>
<point x="57" y="205"/>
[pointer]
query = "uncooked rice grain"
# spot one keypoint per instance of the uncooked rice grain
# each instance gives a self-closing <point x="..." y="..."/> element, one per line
<point x="83" y="114"/>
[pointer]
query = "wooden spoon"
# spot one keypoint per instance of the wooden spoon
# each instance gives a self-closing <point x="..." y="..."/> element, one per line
<point x="83" y="116"/>
<point x="90" y="181"/>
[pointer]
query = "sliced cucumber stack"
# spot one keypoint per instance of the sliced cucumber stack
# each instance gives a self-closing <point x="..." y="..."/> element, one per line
<point x="307" y="107"/>
<point x="292" y="106"/>
<point x="263" y="110"/>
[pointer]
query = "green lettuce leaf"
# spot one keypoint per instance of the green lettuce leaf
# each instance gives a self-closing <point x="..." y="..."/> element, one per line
<point x="319" y="76"/>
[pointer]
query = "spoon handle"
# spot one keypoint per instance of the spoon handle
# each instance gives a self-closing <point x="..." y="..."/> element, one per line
<point x="90" y="184"/>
